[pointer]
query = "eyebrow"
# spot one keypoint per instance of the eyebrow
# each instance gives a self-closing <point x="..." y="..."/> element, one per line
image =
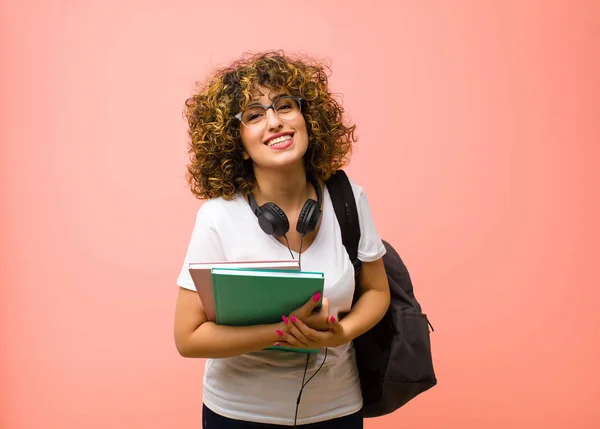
<point x="255" y="101"/>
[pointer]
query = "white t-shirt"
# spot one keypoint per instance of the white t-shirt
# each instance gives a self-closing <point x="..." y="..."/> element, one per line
<point x="263" y="386"/>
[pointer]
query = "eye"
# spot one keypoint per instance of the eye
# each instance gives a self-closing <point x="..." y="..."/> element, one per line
<point x="286" y="104"/>
<point x="253" y="115"/>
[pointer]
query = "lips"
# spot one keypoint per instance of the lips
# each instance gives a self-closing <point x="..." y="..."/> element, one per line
<point x="278" y="135"/>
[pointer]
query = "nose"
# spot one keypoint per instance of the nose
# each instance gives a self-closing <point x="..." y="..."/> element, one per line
<point x="273" y="120"/>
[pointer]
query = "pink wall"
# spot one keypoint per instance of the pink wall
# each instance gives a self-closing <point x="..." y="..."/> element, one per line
<point x="479" y="149"/>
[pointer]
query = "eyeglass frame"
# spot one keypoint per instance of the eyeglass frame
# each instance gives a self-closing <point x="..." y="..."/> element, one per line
<point x="300" y="100"/>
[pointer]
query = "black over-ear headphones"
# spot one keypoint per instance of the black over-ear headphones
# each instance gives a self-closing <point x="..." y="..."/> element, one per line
<point x="273" y="221"/>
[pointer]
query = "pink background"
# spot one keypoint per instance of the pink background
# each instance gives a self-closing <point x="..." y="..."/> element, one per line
<point x="479" y="148"/>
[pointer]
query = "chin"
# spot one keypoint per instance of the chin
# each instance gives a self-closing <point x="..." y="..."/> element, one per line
<point x="281" y="161"/>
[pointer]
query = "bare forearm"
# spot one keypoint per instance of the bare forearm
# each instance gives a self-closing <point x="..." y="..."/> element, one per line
<point x="366" y="313"/>
<point x="213" y="341"/>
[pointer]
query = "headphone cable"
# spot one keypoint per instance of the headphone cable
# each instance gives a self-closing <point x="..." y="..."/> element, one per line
<point x="308" y="354"/>
<point x="288" y="245"/>
<point x="307" y="381"/>
<point x="299" y="253"/>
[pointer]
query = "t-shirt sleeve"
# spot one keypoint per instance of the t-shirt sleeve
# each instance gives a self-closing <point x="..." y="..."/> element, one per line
<point x="370" y="246"/>
<point x="204" y="246"/>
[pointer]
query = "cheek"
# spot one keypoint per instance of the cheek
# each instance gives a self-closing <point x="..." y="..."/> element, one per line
<point x="302" y="123"/>
<point x="304" y="131"/>
<point x="301" y="127"/>
<point x="248" y="139"/>
<point x="252" y="144"/>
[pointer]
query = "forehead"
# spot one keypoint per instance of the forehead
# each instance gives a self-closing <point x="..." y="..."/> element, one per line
<point x="261" y="93"/>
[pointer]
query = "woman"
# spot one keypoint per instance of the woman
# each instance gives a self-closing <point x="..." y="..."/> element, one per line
<point x="267" y="130"/>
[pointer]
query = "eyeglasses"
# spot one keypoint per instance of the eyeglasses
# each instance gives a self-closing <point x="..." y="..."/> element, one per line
<point x="255" y="115"/>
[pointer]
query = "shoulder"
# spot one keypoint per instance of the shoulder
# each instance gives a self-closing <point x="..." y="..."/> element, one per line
<point x="362" y="202"/>
<point x="215" y="208"/>
<point x="357" y="189"/>
<point x="370" y="246"/>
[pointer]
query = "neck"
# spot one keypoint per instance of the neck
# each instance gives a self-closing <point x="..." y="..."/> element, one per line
<point x="288" y="189"/>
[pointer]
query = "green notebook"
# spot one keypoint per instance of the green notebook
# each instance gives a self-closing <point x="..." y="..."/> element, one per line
<point x="245" y="297"/>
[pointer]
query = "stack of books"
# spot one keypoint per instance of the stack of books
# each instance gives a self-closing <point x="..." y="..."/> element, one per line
<point x="254" y="292"/>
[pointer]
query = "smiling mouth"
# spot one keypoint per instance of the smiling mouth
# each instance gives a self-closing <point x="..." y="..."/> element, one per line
<point x="279" y="140"/>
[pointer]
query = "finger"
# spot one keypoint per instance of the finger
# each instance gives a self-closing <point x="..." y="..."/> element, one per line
<point x="334" y="325"/>
<point x="295" y="342"/>
<point x="313" y="337"/>
<point x="292" y="336"/>
<point x="298" y="335"/>
<point x="324" y="307"/>
<point x="301" y="334"/>
<point x="310" y="305"/>
<point x="286" y="322"/>
<point x="301" y="326"/>
<point x="317" y="321"/>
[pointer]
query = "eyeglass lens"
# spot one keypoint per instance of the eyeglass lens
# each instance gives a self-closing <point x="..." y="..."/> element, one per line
<point x="287" y="108"/>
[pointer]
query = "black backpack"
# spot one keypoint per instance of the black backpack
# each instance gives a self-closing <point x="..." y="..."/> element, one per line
<point x="394" y="357"/>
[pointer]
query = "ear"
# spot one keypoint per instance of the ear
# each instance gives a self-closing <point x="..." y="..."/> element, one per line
<point x="245" y="156"/>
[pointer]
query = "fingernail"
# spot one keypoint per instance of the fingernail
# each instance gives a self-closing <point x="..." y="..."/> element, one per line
<point x="276" y="344"/>
<point x="285" y="320"/>
<point x="332" y="319"/>
<point x="293" y="318"/>
<point x="279" y="333"/>
<point x="317" y="296"/>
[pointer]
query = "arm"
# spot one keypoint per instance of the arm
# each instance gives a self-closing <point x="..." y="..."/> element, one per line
<point x="197" y="337"/>
<point x="373" y="302"/>
<point x="374" y="289"/>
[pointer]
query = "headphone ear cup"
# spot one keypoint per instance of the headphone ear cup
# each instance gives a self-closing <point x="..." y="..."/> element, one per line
<point x="273" y="220"/>
<point x="309" y="217"/>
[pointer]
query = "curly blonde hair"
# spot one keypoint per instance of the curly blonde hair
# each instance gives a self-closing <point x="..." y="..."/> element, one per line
<point x="217" y="167"/>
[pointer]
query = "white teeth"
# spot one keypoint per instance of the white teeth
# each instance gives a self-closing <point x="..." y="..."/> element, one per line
<point x="279" y="140"/>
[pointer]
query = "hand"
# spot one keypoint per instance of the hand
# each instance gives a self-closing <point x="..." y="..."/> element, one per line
<point x="317" y="320"/>
<point x="298" y="335"/>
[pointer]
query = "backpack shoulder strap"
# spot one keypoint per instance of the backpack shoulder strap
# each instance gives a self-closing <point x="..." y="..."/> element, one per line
<point x="344" y="205"/>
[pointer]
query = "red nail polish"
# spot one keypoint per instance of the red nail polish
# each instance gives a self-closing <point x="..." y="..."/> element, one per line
<point x="276" y="344"/>
<point x="285" y="320"/>
<point x="332" y="319"/>
<point x="317" y="296"/>
<point x="293" y="319"/>
<point x="279" y="333"/>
